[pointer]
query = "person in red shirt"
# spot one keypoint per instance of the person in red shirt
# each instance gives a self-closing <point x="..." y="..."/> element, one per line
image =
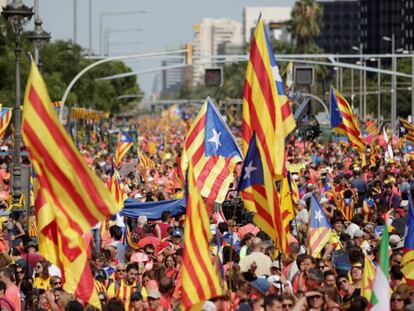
<point x="165" y="223"/>
<point x="12" y="292"/>
<point x="31" y="256"/>
<point x="166" y="288"/>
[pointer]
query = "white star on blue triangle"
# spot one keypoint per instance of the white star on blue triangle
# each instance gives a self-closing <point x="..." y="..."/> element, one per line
<point x="218" y="141"/>
<point x="252" y="172"/>
<point x="125" y="138"/>
<point x="317" y="216"/>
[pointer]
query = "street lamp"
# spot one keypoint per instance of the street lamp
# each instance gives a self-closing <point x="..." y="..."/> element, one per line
<point x="104" y="14"/>
<point x="39" y="37"/>
<point x="360" y="50"/>
<point x="393" y="83"/>
<point x="122" y="44"/>
<point x="108" y="31"/>
<point x="17" y="14"/>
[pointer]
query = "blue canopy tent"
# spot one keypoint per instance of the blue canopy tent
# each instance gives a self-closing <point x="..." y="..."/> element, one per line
<point x="153" y="210"/>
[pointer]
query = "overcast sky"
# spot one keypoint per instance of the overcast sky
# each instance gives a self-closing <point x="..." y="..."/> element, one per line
<point x="168" y="23"/>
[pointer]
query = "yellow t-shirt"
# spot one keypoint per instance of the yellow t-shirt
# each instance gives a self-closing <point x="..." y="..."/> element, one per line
<point x="41" y="283"/>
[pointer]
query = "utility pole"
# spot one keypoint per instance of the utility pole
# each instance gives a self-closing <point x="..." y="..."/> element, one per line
<point x="360" y="82"/>
<point x="90" y="27"/>
<point x="379" y="91"/>
<point x="394" y="87"/>
<point x="364" y="115"/>
<point x="75" y="30"/>
<point x="352" y="89"/>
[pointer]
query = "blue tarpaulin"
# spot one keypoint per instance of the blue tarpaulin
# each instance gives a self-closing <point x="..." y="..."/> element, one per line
<point x="153" y="210"/>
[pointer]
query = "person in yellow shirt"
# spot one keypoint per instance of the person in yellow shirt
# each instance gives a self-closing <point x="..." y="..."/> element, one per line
<point x="126" y="287"/>
<point x="41" y="276"/>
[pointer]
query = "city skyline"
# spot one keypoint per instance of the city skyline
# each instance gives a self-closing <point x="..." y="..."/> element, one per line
<point x="167" y="23"/>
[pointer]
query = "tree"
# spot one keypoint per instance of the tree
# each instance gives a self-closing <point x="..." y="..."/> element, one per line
<point x="305" y="24"/>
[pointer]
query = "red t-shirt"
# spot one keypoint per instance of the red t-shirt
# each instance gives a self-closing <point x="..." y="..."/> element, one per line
<point x="13" y="295"/>
<point x="163" y="228"/>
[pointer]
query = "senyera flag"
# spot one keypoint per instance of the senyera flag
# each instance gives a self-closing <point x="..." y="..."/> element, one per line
<point x="266" y="108"/>
<point x="200" y="280"/>
<point x="74" y="198"/>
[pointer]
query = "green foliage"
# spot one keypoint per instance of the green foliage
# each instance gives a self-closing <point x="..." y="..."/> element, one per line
<point x="61" y="61"/>
<point x="305" y="24"/>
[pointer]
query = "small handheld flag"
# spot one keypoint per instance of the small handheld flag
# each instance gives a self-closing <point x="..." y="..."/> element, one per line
<point x="343" y="120"/>
<point x="125" y="142"/>
<point x="319" y="229"/>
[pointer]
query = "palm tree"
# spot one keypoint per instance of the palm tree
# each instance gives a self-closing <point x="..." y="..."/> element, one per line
<point x="306" y="23"/>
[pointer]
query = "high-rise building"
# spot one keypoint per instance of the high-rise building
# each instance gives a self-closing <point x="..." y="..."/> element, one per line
<point x="341" y="26"/>
<point x="385" y="18"/>
<point x="210" y="37"/>
<point x="3" y="3"/>
<point x="172" y="79"/>
<point x="348" y="23"/>
<point x="275" y="17"/>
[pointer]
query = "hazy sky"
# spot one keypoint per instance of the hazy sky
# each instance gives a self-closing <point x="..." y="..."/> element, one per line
<point x="168" y="23"/>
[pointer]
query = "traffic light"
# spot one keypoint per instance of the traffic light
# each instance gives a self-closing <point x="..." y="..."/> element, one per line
<point x="213" y="77"/>
<point x="189" y="54"/>
<point x="304" y="75"/>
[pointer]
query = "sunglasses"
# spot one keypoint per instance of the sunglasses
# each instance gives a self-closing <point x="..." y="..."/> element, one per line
<point x="287" y="305"/>
<point x="396" y="299"/>
<point x="38" y="267"/>
<point x="20" y="272"/>
<point x="150" y="253"/>
<point x="57" y="283"/>
<point x="120" y="270"/>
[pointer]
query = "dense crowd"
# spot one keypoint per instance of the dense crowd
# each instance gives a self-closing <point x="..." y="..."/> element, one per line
<point x="137" y="262"/>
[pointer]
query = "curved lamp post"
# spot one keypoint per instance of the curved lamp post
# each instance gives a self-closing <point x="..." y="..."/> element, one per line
<point x="17" y="14"/>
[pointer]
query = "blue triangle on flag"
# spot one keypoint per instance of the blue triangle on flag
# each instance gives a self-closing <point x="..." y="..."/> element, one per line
<point x="317" y="216"/>
<point x="218" y="139"/>
<point x="252" y="172"/>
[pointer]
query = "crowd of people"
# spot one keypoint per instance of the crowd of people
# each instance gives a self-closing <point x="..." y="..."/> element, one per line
<point x="137" y="262"/>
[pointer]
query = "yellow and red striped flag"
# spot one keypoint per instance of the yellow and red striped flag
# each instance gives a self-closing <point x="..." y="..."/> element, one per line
<point x="145" y="161"/>
<point x="117" y="188"/>
<point x="213" y="152"/>
<point x="125" y="142"/>
<point x="287" y="211"/>
<point x="200" y="280"/>
<point x="368" y="277"/>
<point x="406" y="129"/>
<point x="343" y="120"/>
<point x="319" y="228"/>
<point x="5" y="117"/>
<point x="72" y="198"/>
<point x="260" y="196"/>
<point x="266" y="109"/>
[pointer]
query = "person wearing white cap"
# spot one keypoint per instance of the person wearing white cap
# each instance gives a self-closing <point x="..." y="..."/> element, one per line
<point x="359" y="237"/>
